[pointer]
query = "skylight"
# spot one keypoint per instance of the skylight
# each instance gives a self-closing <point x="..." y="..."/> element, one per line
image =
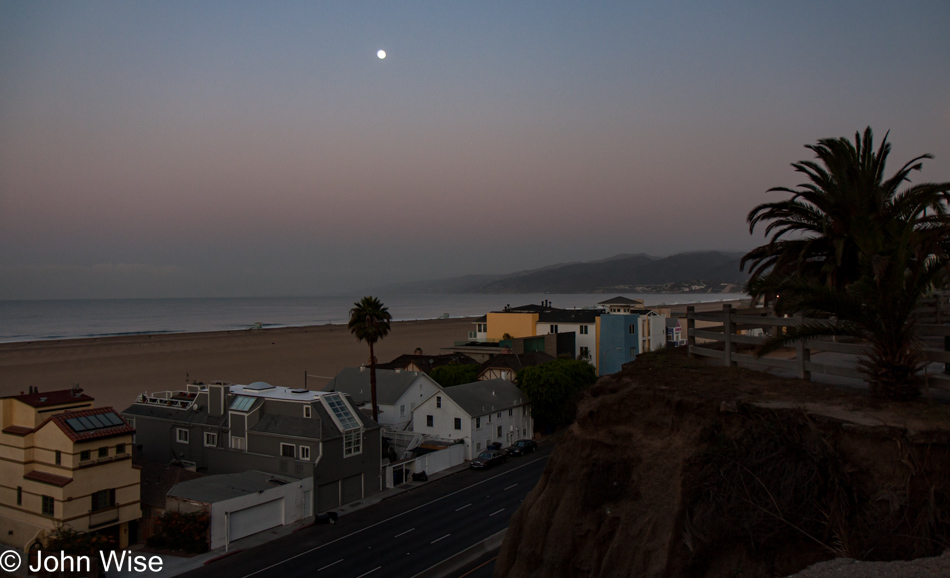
<point x="342" y="412"/>
<point x="242" y="403"/>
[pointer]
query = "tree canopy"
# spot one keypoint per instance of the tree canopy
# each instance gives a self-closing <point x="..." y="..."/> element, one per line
<point x="449" y="375"/>
<point x="553" y="389"/>
<point x="369" y="322"/>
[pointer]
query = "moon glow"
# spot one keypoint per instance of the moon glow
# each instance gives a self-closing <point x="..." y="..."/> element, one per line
<point x="381" y="54"/>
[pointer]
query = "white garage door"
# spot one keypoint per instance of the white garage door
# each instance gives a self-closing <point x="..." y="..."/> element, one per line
<point x="256" y="519"/>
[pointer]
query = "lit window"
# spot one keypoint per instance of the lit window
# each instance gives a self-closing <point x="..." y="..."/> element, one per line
<point x="211" y="439"/>
<point x="181" y="435"/>
<point x="305" y="453"/>
<point x="49" y="506"/>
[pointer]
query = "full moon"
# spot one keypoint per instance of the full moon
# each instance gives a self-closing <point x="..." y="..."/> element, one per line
<point x="381" y="54"/>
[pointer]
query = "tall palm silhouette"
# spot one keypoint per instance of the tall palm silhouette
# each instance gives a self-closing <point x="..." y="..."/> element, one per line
<point x="369" y="322"/>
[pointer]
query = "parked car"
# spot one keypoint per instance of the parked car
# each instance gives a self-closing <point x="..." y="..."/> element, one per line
<point x="489" y="458"/>
<point x="522" y="447"/>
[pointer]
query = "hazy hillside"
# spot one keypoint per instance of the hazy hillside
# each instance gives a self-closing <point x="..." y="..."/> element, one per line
<point x="695" y="271"/>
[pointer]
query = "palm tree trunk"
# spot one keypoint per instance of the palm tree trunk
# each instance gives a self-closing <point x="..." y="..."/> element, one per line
<point x="372" y="381"/>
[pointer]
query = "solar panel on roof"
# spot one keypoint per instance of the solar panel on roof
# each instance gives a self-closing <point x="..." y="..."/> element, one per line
<point x="88" y="424"/>
<point x="112" y="419"/>
<point x="76" y="425"/>
<point x="96" y="421"/>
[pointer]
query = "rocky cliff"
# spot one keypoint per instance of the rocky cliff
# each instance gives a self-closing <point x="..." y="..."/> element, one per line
<point x="676" y="468"/>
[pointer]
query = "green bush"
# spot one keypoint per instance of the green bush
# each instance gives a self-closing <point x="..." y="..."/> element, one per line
<point x="553" y="389"/>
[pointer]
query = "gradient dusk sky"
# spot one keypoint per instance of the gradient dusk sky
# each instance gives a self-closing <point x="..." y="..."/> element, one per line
<point x="166" y="149"/>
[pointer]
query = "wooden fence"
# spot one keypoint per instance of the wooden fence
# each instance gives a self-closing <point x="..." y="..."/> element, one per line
<point x="727" y="337"/>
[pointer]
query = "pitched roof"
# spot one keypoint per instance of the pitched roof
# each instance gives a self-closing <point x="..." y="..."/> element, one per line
<point x="517" y="361"/>
<point x="18" y="430"/>
<point x="483" y="397"/>
<point x="76" y="424"/>
<point x="390" y="384"/>
<point x="426" y="362"/>
<point x="620" y="300"/>
<point x="49" y="398"/>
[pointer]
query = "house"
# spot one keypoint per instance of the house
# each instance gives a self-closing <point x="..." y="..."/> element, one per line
<point x="223" y="428"/>
<point x="674" y="332"/>
<point x="621" y="305"/>
<point x="239" y="505"/>
<point x="507" y="366"/>
<point x="426" y="363"/>
<point x="479" y="413"/>
<point x="623" y="336"/>
<point x="65" y="462"/>
<point x="397" y="392"/>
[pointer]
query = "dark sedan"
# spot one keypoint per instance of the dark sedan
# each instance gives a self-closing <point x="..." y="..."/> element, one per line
<point x="522" y="447"/>
<point x="489" y="458"/>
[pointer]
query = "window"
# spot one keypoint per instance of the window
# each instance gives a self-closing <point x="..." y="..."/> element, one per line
<point x="499" y="414"/>
<point x="85" y="456"/>
<point x="481" y="327"/>
<point x="237" y="443"/>
<point x="103" y="499"/>
<point x="499" y="431"/>
<point x="438" y="401"/>
<point x="59" y="458"/>
<point x="633" y="352"/>
<point x="104" y="452"/>
<point x="429" y="421"/>
<point x="119" y="449"/>
<point x="524" y="410"/>
<point x="510" y="412"/>
<point x="584" y="329"/>
<point x="478" y="446"/>
<point x="181" y="435"/>
<point x="478" y="422"/>
<point x="489" y="418"/>
<point x="288" y="450"/>
<point x="305" y="453"/>
<point x="131" y="421"/>
<point x="585" y="353"/>
<point x="49" y="506"/>
<point x="458" y="423"/>
<point x="211" y="439"/>
<point x="307" y="411"/>
<point x="19" y="496"/>
<point x="402" y="410"/>
<point x="352" y="443"/>
<point x="632" y="329"/>
<point x="553" y="329"/>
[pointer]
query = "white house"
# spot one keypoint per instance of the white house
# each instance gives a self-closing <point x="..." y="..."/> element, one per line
<point x="397" y="392"/>
<point x="582" y="322"/>
<point x="479" y="413"/>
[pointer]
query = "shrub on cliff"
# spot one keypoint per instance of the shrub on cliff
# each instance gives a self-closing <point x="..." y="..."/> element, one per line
<point x="553" y="389"/>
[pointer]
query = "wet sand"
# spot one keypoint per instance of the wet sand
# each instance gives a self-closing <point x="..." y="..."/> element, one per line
<point x="114" y="370"/>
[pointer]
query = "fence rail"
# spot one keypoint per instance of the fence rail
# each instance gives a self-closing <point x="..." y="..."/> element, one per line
<point x="732" y="327"/>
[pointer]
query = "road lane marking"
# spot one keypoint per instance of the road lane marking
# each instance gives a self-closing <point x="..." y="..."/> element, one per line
<point x="442" y="538"/>
<point x="370" y="572"/>
<point x="465" y="489"/>
<point x="328" y="565"/>
<point x="511" y="486"/>
<point x="404" y="533"/>
<point x="463" y="507"/>
<point x="498" y="512"/>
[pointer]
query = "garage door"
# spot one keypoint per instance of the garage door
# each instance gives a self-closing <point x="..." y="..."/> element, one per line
<point x="328" y="496"/>
<point x="352" y="488"/>
<point x="256" y="519"/>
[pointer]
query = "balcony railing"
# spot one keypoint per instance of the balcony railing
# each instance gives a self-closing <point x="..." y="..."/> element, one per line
<point x="104" y="516"/>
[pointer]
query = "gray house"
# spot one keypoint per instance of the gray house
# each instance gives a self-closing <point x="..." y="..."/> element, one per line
<point x="222" y="428"/>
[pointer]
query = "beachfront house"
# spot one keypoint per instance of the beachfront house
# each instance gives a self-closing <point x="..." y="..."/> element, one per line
<point x="478" y="413"/>
<point x="223" y="428"/>
<point x="507" y="366"/>
<point x="65" y="462"/>
<point x="398" y="392"/>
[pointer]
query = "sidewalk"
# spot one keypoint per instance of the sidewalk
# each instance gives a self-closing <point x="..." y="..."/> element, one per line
<point x="175" y="565"/>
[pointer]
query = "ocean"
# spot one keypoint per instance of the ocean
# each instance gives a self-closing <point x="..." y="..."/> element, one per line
<point x="31" y="320"/>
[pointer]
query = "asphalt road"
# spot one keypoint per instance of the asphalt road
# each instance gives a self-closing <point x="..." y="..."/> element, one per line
<point x="400" y="536"/>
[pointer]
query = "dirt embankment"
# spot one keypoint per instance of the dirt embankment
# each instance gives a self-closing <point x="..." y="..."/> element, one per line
<point x="675" y="468"/>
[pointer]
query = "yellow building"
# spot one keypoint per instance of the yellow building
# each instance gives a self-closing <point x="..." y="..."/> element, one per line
<point x="62" y="461"/>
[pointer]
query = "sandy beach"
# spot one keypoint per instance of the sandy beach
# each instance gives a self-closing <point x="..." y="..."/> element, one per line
<point x="114" y="370"/>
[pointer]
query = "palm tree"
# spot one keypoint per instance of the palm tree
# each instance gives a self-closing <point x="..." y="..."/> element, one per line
<point x="369" y="322"/>
<point x="863" y="256"/>
<point x="813" y="232"/>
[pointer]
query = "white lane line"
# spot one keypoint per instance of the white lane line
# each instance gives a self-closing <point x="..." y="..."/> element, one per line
<point x="498" y="512"/>
<point x="328" y="565"/>
<point x="370" y="572"/>
<point x="463" y="507"/>
<point x="449" y="495"/>
<point x="511" y="486"/>
<point x="404" y="533"/>
<point x="442" y="538"/>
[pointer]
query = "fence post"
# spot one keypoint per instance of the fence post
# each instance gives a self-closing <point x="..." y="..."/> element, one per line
<point x="802" y="353"/>
<point x="727" y="333"/>
<point x="690" y="325"/>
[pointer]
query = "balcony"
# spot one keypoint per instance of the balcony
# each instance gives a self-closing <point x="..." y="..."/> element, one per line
<point x="104" y="516"/>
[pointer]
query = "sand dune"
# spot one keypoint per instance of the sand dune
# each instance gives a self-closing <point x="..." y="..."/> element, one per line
<point x="116" y="369"/>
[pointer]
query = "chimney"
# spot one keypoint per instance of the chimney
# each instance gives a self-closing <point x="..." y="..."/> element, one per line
<point x="217" y="395"/>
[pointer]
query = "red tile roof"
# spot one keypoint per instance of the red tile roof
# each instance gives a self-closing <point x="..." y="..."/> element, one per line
<point x="48" y="398"/>
<point x="17" y="430"/>
<point x="60" y="420"/>
<point x="47" y="478"/>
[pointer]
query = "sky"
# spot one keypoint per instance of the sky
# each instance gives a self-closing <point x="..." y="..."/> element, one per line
<point x="219" y="149"/>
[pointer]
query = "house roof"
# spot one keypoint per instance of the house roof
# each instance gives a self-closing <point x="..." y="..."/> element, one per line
<point x="18" y="430"/>
<point x="426" y="362"/>
<point x="516" y="361"/>
<point x="200" y="417"/>
<point x="212" y="489"/>
<point x="569" y="316"/>
<point x="50" y="398"/>
<point x="390" y="384"/>
<point x="483" y="397"/>
<point x="620" y="300"/>
<point x="90" y="424"/>
<point x="672" y="322"/>
<point x="47" y="478"/>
